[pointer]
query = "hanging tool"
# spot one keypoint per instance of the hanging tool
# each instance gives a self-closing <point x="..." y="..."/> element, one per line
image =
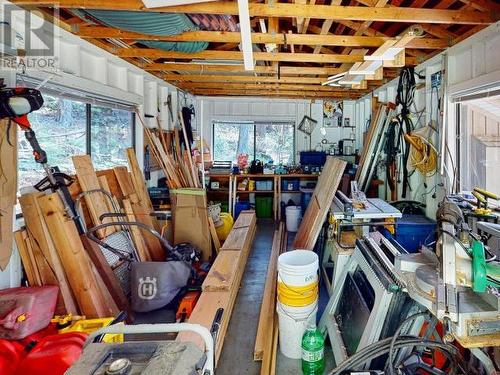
<point x="482" y="200"/>
<point x="16" y="104"/>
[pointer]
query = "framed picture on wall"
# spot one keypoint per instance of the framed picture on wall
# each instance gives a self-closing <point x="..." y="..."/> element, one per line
<point x="332" y="113"/>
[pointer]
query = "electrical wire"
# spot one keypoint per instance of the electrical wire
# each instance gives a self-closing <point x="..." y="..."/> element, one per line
<point x="396" y="335"/>
<point x="423" y="155"/>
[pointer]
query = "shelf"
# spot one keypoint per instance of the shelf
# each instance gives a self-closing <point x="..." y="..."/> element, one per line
<point x="255" y="191"/>
<point x="290" y="191"/>
<point x="218" y="191"/>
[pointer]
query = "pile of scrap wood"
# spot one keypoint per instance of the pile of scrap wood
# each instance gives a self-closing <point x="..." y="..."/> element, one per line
<point x="266" y="341"/>
<point x="53" y="251"/>
<point x="222" y="283"/>
<point x="177" y="164"/>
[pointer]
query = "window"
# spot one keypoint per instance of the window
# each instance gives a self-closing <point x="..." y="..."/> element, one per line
<point x="265" y="141"/>
<point x="60" y="126"/>
<point x="67" y="127"/>
<point x="110" y="134"/>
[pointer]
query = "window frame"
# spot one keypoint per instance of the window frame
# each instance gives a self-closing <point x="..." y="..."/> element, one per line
<point x="88" y="118"/>
<point x="255" y="124"/>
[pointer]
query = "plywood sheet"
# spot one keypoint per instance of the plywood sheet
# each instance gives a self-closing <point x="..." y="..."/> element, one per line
<point x="319" y="205"/>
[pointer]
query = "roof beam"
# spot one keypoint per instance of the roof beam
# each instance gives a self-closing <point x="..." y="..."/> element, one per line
<point x="201" y="68"/>
<point x="279" y="93"/>
<point x="265" y="86"/>
<point x="241" y="78"/>
<point x="238" y="56"/>
<point x="102" y="32"/>
<point x="335" y="12"/>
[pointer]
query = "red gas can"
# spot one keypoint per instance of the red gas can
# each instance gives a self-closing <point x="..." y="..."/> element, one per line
<point x="24" y="311"/>
<point x="53" y="355"/>
<point x="11" y="354"/>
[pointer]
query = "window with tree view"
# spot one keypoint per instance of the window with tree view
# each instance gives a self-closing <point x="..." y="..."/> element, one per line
<point x="265" y="141"/>
<point x="66" y="127"/>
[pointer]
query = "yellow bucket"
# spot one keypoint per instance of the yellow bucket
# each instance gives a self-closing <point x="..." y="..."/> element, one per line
<point x="225" y="228"/>
<point x="297" y="296"/>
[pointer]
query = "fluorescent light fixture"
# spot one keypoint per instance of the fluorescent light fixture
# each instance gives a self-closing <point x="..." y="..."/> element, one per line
<point x="366" y="68"/>
<point x="352" y="80"/>
<point x="339" y="75"/>
<point x="246" y="34"/>
<point x="169" y="3"/>
<point x="390" y="54"/>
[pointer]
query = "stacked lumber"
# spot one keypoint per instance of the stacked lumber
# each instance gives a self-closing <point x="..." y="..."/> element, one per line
<point x="177" y="164"/>
<point x="266" y="340"/>
<point x="222" y="283"/>
<point x="320" y="203"/>
<point x="53" y="252"/>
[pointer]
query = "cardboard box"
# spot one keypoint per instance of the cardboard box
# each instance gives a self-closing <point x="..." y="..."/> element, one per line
<point x="190" y="217"/>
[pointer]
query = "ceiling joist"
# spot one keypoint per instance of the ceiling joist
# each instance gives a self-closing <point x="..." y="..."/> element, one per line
<point x="100" y="32"/>
<point x="285" y="10"/>
<point x="238" y="56"/>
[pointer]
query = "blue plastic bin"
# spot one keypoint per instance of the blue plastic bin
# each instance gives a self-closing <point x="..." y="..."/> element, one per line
<point x="317" y="158"/>
<point x="413" y="231"/>
<point x="240" y="206"/>
<point x="290" y="184"/>
<point x="305" y="198"/>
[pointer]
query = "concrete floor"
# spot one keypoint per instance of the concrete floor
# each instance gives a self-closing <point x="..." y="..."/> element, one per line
<point x="237" y="353"/>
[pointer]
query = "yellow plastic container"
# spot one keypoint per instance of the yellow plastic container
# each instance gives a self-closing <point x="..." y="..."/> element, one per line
<point x="297" y="296"/>
<point x="91" y="325"/>
<point x="227" y="224"/>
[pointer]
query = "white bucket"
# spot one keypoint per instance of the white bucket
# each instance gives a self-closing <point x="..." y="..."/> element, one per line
<point x="293" y="322"/>
<point x="293" y="216"/>
<point x="298" y="267"/>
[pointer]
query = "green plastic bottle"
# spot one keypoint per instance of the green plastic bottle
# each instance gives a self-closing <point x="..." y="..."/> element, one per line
<point x="313" y="350"/>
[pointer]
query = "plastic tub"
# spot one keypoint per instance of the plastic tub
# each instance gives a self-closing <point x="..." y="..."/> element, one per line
<point x="293" y="216"/>
<point x="264" y="207"/>
<point x="305" y="198"/>
<point x="413" y="231"/>
<point x="292" y="325"/>
<point x="298" y="267"/>
<point x="290" y="184"/>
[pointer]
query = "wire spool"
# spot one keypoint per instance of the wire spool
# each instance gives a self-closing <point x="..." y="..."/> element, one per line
<point x="423" y="155"/>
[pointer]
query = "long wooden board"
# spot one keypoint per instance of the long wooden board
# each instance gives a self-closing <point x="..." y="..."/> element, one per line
<point x="44" y="251"/>
<point x="124" y="181"/>
<point x="268" y="300"/>
<point x="8" y="188"/>
<point x="138" y="179"/>
<point x="76" y="263"/>
<point x="95" y="202"/>
<point x="321" y="200"/>
<point x="223" y="271"/>
<point x="29" y="265"/>
<point x="211" y="301"/>
<point x="143" y="215"/>
<point x="137" y="236"/>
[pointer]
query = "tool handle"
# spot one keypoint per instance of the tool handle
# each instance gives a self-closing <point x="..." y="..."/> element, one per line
<point x="39" y="154"/>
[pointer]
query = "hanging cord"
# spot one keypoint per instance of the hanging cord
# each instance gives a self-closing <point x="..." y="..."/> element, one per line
<point x="423" y="155"/>
<point x="405" y="97"/>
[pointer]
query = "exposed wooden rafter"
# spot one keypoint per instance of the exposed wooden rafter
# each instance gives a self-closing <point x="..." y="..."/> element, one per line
<point x="355" y="13"/>
<point x="101" y="32"/>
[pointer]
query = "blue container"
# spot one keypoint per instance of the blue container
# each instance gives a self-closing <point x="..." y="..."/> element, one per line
<point x="413" y="231"/>
<point x="317" y="158"/>
<point x="240" y="206"/>
<point x="305" y="198"/>
<point x="290" y="184"/>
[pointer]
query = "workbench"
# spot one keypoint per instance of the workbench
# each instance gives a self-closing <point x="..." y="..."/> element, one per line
<point x="340" y="244"/>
